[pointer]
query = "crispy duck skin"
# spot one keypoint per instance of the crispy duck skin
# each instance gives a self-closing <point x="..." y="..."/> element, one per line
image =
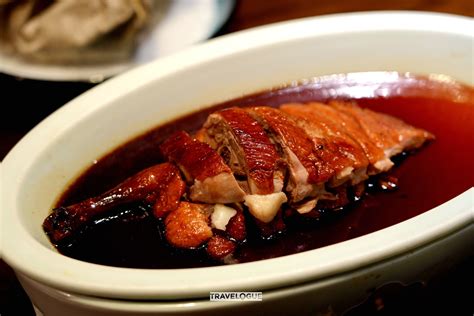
<point x="159" y="185"/>
<point x="249" y="147"/>
<point x="236" y="228"/>
<point x="252" y="156"/>
<point x="188" y="225"/>
<point x="352" y="128"/>
<point x="337" y="149"/>
<point x="219" y="247"/>
<point x="390" y="134"/>
<point x="307" y="169"/>
<point x="212" y="180"/>
<point x="289" y="135"/>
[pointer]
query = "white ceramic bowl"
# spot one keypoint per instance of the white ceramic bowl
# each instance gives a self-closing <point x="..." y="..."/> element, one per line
<point x="55" y="152"/>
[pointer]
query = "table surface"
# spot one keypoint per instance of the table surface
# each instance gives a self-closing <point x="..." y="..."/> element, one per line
<point x="30" y="101"/>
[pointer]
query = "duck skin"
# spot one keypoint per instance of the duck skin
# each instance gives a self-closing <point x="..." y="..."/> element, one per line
<point x="252" y="156"/>
<point x="160" y="186"/>
<point x="211" y="180"/>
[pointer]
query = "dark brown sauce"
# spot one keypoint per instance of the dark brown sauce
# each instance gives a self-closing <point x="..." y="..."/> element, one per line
<point x="436" y="173"/>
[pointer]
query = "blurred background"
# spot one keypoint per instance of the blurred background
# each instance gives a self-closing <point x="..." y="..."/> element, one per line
<point x="41" y="69"/>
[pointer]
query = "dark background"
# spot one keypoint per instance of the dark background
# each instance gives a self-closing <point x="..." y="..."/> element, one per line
<point x="24" y="103"/>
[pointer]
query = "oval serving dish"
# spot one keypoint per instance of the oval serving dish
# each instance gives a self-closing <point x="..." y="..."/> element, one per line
<point x="59" y="149"/>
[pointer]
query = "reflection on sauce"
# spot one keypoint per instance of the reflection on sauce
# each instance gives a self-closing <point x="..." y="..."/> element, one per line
<point x="435" y="174"/>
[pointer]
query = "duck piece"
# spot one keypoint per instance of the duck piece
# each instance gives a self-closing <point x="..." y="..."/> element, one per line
<point x="337" y="148"/>
<point x="160" y="186"/>
<point x="247" y="148"/>
<point x="349" y="125"/>
<point x="212" y="181"/>
<point x="252" y="156"/>
<point x="388" y="133"/>
<point x="217" y="227"/>
<point x="221" y="248"/>
<point x="188" y="226"/>
<point x="307" y="168"/>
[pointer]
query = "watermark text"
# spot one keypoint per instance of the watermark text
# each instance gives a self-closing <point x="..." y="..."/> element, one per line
<point x="235" y="296"/>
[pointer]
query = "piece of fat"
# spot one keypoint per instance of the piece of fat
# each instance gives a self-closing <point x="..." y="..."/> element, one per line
<point x="341" y="177"/>
<point x="222" y="188"/>
<point x="383" y="165"/>
<point x="221" y="216"/>
<point x="265" y="207"/>
<point x="307" y="206"/>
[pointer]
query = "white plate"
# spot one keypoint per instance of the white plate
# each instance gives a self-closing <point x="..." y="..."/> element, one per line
<point x="185" y="23"/>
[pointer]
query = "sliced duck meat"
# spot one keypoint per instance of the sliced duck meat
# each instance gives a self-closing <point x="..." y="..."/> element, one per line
<point x="247" y="148"/>
<point x="388" y="133"/>
<point x="251" y="155"/>
<point x="336" y="147"/>
<point x="308" y="171"/>
<point x="212" y="181"/>
<point x="352" y="128"/>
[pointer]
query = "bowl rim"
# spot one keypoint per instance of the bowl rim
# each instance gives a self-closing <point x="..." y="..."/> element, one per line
<point x="203" y="303"/>
<point x="27" y="256"/>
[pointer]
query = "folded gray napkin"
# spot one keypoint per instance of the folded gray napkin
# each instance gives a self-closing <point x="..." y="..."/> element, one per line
<point x="73" y="31"/>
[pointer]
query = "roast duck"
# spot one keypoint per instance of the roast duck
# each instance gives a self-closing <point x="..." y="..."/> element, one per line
<point x="257" y="164"/>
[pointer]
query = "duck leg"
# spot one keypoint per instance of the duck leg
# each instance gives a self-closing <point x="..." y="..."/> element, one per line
<point x="159" y="185"/>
